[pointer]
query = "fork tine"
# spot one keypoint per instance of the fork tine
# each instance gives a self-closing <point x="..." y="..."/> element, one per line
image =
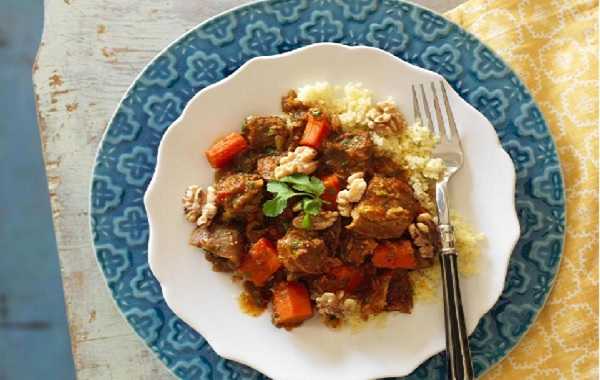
<point x="438" y="114"/>
<point x="451" y="122"/>
<point x="427" y="111"/>
<point x="416" y="109"/>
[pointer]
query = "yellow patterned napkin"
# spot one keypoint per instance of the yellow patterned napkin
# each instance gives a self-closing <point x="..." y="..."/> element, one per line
<point x="553" y="46"/>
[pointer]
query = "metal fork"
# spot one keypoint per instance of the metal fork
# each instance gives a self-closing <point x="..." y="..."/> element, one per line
<point x="449" y="150"/>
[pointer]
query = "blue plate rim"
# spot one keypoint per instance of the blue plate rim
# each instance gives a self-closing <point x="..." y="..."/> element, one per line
<point x="255" y="3"/>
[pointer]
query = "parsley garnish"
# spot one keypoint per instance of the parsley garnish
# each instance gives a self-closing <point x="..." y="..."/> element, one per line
<point x="295" y="185"/>
<point x="304" y="183"/>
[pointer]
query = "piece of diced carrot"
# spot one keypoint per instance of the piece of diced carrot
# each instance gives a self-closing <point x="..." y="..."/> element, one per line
<point x="350" y="276"/>
<point x="316" y="130"/>
<point x="332" y="188"/>
<point x="261" y="262"/>
<point x="395" y="254"/>
<point x="225" y="150"/>
<point x="291" y="304"/>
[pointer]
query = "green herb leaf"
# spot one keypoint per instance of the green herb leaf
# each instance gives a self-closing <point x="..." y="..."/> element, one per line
<point x="278" y="188"/>
<point x="305" y="183"/>
<point x="311" y="206"/>
<point x="310" y="188"/>
<point x="307" y="222"/>
<point x="274" y="207"/>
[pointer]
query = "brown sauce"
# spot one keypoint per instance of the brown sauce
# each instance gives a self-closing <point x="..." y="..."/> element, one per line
<point x="248" y="306"/>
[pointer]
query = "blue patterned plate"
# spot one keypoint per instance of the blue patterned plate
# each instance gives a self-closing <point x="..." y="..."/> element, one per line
<point x="127" y="158"/>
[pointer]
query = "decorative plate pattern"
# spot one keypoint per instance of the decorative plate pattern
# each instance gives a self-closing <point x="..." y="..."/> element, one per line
<point x="215" y="49"/>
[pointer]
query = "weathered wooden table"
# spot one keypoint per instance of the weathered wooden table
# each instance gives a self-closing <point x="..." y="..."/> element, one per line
<point x="90" y="53"/>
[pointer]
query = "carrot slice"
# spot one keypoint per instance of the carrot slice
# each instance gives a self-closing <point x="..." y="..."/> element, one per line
<point x="316" y="130"/>
<point x="291" y="304"/>
<point x="332" y="187"/>
<point x="261" y="262"/>
<point x="395" y="254"/>
<point x="224" y="150"/>
<point x="350" y="276"/>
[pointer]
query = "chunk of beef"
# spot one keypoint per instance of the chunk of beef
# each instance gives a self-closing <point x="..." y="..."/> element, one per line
<point x="240" y="195"/>
<point x="348" y="153"/>
<point x="243" y="163"/>
<point x="324" y="283"/>
<point x="364" y="290"/>
<point x="264" y="132"/>
<point x="331" y="236"/>
<point x="291" y="104"/>
<point x="220" y="264"/>
<point x="221" y="242"/>
<point x="356" y="248"/>
<point x="386" y="210"/>
<point x="400" y="293"/>
<point x="376" y="300"/>
<point x="257" y="296"/>
<point x="257" y="229"/>
<point x="265" y="166"/>
<point x="390" y="290"/>
<point x="385" y="166"/>
<point x="303" y="251"/>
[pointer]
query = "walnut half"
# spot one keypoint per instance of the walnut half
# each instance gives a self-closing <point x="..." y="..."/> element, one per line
<point x="199" y="206"/>
<point x="425" y="235"/>
<point x="301" y="160"/>
<point x="355" y="189"/>
<point x="385" y="118"/>
<point x="336" y="305"/>
<point x="193" y="200"/>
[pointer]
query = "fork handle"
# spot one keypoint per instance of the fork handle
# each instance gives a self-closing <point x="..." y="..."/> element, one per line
<point x="457" y="343"/>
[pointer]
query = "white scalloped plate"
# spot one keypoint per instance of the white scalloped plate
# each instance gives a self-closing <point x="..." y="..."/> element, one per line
<point x="483" y="192"/>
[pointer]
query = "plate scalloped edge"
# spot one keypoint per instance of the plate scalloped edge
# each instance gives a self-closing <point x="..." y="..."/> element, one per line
<point x="538" y="197"/>
<point x="259" y="67"/>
